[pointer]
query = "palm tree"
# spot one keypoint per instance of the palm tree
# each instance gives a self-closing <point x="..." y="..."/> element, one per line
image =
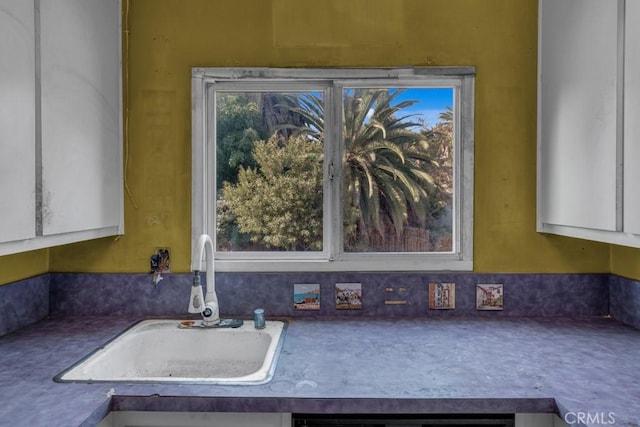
<point x="386" y="183"/>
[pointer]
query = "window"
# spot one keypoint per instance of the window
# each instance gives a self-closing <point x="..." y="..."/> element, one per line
<point x="334" y="169"/>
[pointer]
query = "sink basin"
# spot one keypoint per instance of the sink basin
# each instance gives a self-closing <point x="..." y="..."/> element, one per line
<point x="162" y="351"/>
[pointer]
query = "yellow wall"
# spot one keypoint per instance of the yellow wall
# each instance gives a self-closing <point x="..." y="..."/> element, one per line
<point x="498" y="37"/>
<point x="625" y="262"/>
<point x="23" y="265"/>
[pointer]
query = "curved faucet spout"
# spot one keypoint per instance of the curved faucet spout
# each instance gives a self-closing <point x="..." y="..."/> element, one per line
<point x="203" y="251"/>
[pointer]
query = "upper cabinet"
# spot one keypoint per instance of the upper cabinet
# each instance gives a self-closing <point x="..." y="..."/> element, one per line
<point x="80" y="70"/>
<point x="632" y="118"/>
<point x="62" y="137"/>
<point x="588" y="97"/>
<point x="17" y="121"/>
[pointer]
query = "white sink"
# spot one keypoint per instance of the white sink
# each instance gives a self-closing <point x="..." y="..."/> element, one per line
<point x="161" y="351"/>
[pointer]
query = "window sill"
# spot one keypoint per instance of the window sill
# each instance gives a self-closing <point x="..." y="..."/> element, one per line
<point x="444" y="263"/>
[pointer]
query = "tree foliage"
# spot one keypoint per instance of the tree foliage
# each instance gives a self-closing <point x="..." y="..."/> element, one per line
<point x="397" y="173"/>
<point x="440" y="137"/>
<point x="238" y="126"/>
<point x="279" y="203"/>
<point x="386" y="179"/>
<point x="388" y="163"/>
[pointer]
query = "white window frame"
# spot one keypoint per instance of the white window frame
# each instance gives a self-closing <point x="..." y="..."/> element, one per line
<point x="205" y="81"/>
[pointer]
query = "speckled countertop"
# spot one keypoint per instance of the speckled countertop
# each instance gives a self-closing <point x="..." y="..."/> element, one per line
<point x="369" y="366"/>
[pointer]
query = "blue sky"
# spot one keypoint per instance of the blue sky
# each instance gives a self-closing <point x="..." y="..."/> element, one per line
<point x="432" y="101"/>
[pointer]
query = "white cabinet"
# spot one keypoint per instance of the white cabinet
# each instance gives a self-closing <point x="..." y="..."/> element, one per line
<point x="80" y="70"/>
<point x="65" y="180"/>
<point x="539" y="420"/>
<point x="587" y="93"/>
<point x="17" y="120"/>
<point x="578" y="85"/>
<point x="632" y="118"/>
<point x="238" y="419"/>
<point x="195" y="419"/>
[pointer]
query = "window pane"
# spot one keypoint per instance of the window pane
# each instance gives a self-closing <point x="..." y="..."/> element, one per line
<point x="269" y="154"/>
<point x="398" y="170"/>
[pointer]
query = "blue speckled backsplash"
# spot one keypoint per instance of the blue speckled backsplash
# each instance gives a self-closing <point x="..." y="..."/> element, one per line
<point x="383" y="295"/>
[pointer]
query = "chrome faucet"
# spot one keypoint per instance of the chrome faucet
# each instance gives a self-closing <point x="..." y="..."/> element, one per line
<point x="208" y="306"/>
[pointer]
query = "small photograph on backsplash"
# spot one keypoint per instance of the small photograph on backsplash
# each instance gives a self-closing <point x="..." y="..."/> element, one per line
<point x="442" y="296"/>
<point x="306" y="296"/>
<point x="489" y="297"/>
<point x="348" y="296"/>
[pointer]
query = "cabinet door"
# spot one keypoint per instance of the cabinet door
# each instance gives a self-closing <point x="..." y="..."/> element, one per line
<point x="80" y="71"/>
<point x="632" y="118"/>
<point x="17" y="121"/>
<point x="195" y="419"/>
<point x="578" y="139"/>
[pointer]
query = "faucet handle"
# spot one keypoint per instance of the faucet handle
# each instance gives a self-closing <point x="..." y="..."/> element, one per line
<point x="210" y="314"/>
